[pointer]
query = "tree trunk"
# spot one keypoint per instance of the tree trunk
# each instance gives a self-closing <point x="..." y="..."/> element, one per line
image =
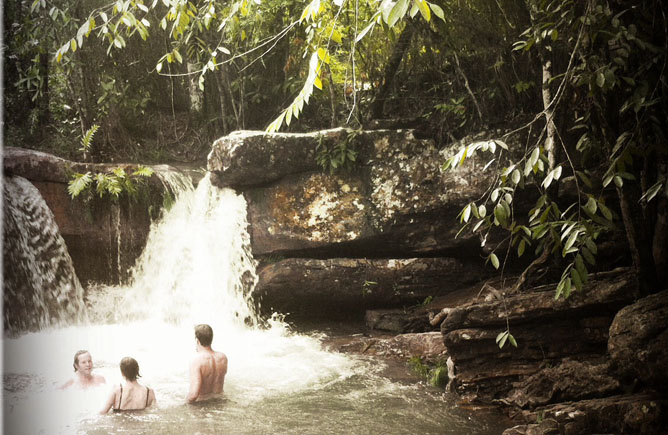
<point x="44" y="99"/>
<point x="639" y="238"/>
<point x="548" y="109"/>
<point x="377" y="108"/>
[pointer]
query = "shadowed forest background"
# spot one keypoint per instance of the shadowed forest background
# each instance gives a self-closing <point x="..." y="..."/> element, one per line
<point x="581" y="84"/>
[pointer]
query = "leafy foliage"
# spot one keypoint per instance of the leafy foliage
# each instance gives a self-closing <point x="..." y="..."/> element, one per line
<point x="339" y="156"/>
<point x="113" y="183"/>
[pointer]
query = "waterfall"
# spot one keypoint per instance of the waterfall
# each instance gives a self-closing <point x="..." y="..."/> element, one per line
<point x="196" y="267"/>
<point x="41" y="288"/>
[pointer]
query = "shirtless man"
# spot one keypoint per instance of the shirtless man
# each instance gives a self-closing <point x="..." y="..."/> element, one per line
<point x="207" y="368"/>
<point x="83" y="372"/>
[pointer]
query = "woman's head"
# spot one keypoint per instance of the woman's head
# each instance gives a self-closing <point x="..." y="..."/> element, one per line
<point x="130" y="368"/>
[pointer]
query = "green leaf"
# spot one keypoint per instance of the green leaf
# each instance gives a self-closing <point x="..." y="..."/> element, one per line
<point x="495" y="260"/>
<point x="520" y="248"/>
<point x="503" y="340"/>
<point x="366" y="30"/>
<point x="571" y="240"/>
<point x="605" y="211"/>
<point x="77" y="185"/>
<point x="436" y="9"/>
<point x="652" y="191"/>
<point x="512" y="341"/>
<point x="397" y="12"/>
<point x="466" y="213"/>
<point x="548" y="179"/>
<point x="535" y="154"/>
<point x="424" y="9"/>
<point x="588" y="256"/>
<point x="500" y="336"/>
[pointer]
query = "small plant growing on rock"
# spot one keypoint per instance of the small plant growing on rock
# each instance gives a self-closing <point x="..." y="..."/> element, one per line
<point x="437" y="376"/>
<point x="339" y="156"/>
<point x="113" y="182"/>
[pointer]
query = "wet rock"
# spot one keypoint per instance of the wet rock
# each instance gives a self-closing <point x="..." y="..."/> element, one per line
<point x="103" y="236"/>
<point x="548" y="426"/>
<point x="427" y="345"/>
<point x="394" y="199"/>
<point x="571" y="380"/>
<point x="251" y="158"/>
<point x="345" y="287"/>
<point x="545" y="330"/>
<point x="638" y="344"/>
<point x="398" y="321"/>
<point x="624" y="414"/>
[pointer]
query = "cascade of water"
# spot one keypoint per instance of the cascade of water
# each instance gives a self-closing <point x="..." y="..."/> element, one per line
<point x="41" y="288"/>
<point x="196" y="267"/>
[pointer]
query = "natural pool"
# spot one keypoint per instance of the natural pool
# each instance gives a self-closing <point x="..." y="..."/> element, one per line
<point x="197" y="268"/>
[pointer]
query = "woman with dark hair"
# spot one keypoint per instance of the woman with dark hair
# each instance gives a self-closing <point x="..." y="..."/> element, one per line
<point x="130" y="395"/>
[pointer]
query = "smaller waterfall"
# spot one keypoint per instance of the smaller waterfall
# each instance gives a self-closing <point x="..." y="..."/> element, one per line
<point x="40" y="286"/>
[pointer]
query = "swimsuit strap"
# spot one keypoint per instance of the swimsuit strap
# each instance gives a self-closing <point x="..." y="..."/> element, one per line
<point x="120" y="399"/>
<point x="147" y="391"/>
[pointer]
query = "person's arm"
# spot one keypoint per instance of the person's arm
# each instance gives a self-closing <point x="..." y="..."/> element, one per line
<point x="151" y="398"/>
<point x="110" y="401"/>
<point x="195" y="381"/>
<point x="66" y="384"/>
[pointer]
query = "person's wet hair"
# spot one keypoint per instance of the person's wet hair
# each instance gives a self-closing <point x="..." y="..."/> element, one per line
<point x="130" y="368"/>
<point x="76" y="359"/>
<point x="204" y="334"/>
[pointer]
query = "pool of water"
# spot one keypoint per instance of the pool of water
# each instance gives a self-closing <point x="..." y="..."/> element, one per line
<point x="197" y="268"/>
<point x="278" y="382"/>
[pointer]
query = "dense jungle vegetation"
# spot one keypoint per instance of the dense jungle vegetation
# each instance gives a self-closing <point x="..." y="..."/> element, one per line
<point x="582" y="82"/>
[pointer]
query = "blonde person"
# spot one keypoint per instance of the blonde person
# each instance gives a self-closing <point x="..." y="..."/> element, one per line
<point x="129" y="395"/>
<point x="83" y="372"/>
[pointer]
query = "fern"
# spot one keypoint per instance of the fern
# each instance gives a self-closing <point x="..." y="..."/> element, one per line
<point x="87" y="139"/>
<point x="78" y="184"/>
<point x="142" y="171"/>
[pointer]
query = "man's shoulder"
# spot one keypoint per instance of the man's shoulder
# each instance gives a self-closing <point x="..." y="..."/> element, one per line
<point x="99" y="379"/>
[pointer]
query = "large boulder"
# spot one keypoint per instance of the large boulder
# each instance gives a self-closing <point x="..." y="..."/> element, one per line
<point x="342" y="287"/>
<point x="545" y="330"/>
<point x="104" y="236"/>
<point x="395" y="199"/>
<point x="638" y="344"/>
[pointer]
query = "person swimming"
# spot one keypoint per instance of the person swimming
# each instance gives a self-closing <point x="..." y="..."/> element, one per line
<point x="134" y="397"/>
<point x="207" y="368"/>
<point x="83" y="372"/>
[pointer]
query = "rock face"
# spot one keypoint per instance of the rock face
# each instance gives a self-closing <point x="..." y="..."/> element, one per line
<point x="571" y="380"/>
<point x="545" y="329"/>
<point x="341" y="287"/>
<point x="623" y="414"/>
<point x="638" y="343"/>
<point x="394" y="199"/>
<point x="103" y="236"/>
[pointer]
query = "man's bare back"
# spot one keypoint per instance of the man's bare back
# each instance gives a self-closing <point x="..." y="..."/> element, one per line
<point x="207" y="372"/>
